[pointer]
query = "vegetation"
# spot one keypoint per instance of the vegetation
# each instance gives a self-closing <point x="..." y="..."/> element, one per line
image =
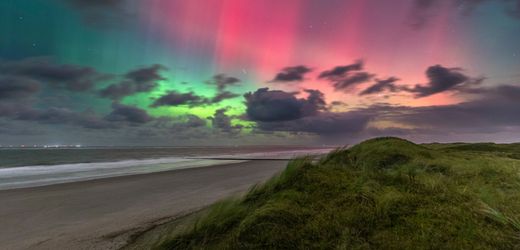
<point x="385" y="193"/>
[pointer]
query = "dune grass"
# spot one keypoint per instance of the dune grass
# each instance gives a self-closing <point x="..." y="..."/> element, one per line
<point x="384" y="193"/>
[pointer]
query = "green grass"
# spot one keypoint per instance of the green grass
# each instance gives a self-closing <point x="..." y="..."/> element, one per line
<point x="384" y="193"/>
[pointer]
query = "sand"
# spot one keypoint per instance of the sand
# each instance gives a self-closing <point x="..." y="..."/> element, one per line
<point x="104" y="213"/>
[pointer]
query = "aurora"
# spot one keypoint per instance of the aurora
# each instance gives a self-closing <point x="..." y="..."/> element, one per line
<point x="161" y="72"/>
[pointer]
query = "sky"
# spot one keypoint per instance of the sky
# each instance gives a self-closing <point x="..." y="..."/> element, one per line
<point x="234" y="72"/>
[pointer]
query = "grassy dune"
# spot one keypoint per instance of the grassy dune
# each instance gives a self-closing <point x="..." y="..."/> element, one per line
<point x="384" y="193"/>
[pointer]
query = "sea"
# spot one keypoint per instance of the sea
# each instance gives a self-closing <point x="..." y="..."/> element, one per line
<point x="32" y="167"/>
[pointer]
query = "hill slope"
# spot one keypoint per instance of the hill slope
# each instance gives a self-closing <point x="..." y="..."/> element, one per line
<point x="384" y="193"/>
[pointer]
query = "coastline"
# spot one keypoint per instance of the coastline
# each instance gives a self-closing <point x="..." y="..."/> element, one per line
<point x="105" y="213"/>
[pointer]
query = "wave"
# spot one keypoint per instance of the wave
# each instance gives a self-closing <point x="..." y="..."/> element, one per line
<point x="41" y="175"/>
<point x="270" y="155"/>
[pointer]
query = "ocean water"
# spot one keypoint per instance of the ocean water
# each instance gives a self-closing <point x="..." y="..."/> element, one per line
<point x="21" y="168"/>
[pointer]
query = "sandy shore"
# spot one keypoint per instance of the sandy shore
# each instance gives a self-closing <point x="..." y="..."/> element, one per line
<point x="102" y="214"/>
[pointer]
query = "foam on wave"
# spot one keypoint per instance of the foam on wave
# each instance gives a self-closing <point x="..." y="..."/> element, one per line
<point x="41" y="175"/>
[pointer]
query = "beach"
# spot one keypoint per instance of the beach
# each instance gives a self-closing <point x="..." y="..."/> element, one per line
<point x="104" y="213"/>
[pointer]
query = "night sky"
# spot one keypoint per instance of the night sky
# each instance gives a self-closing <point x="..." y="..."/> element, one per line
<point x="232" y="72"/>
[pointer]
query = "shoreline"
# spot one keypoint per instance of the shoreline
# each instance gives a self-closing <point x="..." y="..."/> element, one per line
<point x="104" y="213"/>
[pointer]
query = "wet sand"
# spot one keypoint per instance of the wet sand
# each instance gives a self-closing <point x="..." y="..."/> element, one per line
<point x="104" y="213"/>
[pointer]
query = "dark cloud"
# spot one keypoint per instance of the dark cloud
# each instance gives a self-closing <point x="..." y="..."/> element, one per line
<point x="223" y="95"/>
<point x="272" y="105"/>
<point x="315" y="101"/>
<point x="220" y="81"/>
<point x="275" y="105"/>
<point x="507" y="92"/>
<point x="382" y="86"/>
<point x="14" y="87"/>
<point x="194" y="121"/>
<point x="130" y="114"/>
<point x="441" y="79"/>
<point x="136" y="81"/>
<point x="353" y="80"/>
<point x="494" y="111"/>
<point x="338" y="103"/>
<point x="179" y="123"/>
<point x="490" y="110"/>
<point x="339" y="72"/>
<point x="146" y="78"/>
<point x="335" y="105"/>
<point x="276" y="110"/>
<point x="174" y="98"/>
<point x="222" y="122"/>
<point x="461" y="117"/>
<point x="51" y="115"/>
<point x="223" y="81"/>
<point x="496" y="107"/>
<point x="61" y="116"/>
<point x="184" y="127"/>
<point x="67" y="76"/>
<point x="345" y="77"/>
<point x="118" y="91"/>
<point x="292" y="74"/>
<point x="323" y="123"/>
